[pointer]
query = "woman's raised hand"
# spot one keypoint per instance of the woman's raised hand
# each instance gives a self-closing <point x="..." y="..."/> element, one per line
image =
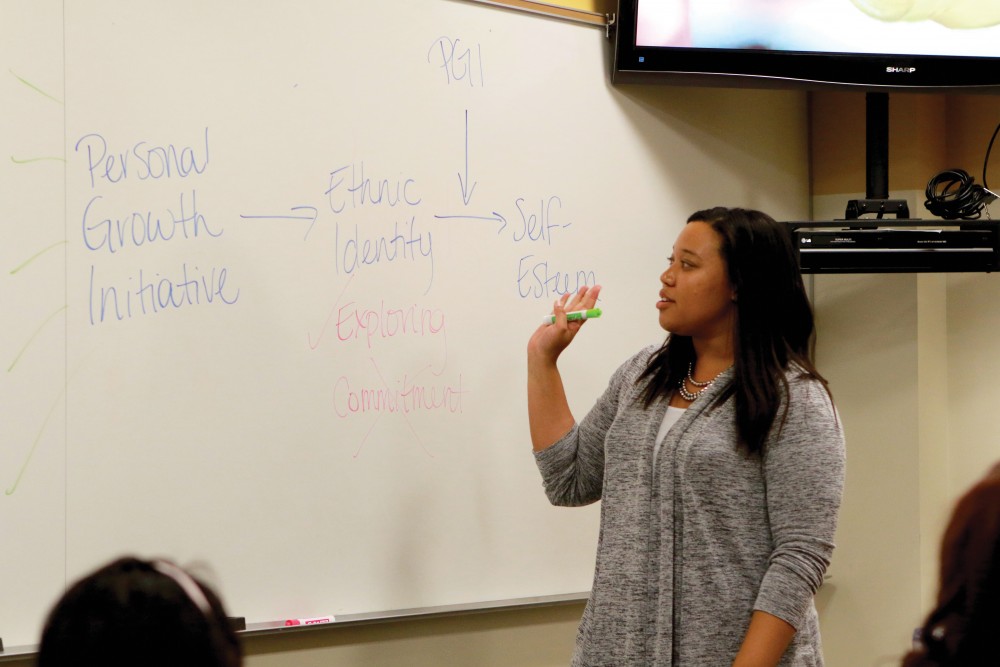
<point x="549" y="340"/>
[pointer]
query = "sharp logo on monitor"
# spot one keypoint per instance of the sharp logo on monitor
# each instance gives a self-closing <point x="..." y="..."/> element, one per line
<point x="900" y="70"/>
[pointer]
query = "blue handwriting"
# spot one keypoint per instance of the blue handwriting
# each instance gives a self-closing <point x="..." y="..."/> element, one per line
<point x="361" y="190"/>
<point x="148" y="161"/>
<point x="536" y="279"/>
<point x="137" y="228"/>
<point x="146" y="295"/>
<point x="354" y="252"/>
<point x="459" y="64"/>
<point x="534" y="224"/>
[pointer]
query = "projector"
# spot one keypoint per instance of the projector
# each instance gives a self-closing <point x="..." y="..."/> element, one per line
<point x="856" y="247"/>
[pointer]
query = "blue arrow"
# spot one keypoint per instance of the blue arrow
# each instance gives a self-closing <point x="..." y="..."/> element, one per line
<point x="466" y="193"/>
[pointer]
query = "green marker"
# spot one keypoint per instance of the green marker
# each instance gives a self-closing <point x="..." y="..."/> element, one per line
<point x="575" y="315"/>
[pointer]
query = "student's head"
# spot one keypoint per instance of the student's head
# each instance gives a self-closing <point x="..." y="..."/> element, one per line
<point x="963" y="627"/>
<point x="758" y="304"/>
<point x="699" y="299"/>
<point x="138" y="612"/>
<point x="772" y="309"/>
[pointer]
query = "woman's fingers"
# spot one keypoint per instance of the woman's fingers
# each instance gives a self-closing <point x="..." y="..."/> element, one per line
<point x="588" y="296"/>
<point x="583" y="299"/>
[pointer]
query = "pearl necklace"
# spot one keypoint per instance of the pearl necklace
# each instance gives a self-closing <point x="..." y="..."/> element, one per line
<point x="690" y="396"/>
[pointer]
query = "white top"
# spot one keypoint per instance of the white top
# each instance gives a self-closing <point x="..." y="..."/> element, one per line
<point x="669" y="419"/>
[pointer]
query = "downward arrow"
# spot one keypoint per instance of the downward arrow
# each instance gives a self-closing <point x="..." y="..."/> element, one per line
<point x="466" y="191"/>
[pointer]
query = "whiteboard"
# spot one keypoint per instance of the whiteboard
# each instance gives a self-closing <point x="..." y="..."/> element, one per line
<point x="269" y="272"/>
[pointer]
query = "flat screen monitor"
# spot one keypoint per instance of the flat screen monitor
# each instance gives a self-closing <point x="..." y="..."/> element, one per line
<point x="870" y="45"/>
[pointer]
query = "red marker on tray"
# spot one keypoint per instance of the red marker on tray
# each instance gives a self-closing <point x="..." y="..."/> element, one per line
<point x="317" y="620"/>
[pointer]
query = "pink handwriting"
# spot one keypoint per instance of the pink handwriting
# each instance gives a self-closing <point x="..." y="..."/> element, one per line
<point x="386" y="322"/>
<point x="350" y="398"/>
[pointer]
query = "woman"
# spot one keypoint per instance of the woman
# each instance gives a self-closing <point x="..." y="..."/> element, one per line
<point x="961" y="631"/>
<point x="717" y="456"/>
<point x="138" y="612"/>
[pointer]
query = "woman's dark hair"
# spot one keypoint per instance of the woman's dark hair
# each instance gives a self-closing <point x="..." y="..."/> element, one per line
<point x="962" y="628"/>
<point x="138" y="612"/>
<point x="773" y="323"/>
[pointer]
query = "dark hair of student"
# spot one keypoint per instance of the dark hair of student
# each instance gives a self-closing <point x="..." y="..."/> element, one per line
<point x="773" y="323"/>
<point x="962" y="629"/>
<point x="138" y="612"/>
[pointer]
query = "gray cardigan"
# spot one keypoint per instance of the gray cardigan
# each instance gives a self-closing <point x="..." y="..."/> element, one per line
<point x="689" y="550"/>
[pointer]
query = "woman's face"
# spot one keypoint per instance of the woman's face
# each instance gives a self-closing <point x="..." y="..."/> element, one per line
<point x="696" y="297"/>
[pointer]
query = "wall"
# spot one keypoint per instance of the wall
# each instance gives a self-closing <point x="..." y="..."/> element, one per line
<point x="973" y="311"/>
<point x="910" y="362"/>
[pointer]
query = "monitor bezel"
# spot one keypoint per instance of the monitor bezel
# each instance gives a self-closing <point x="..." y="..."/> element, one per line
<point x="794" y="69"/>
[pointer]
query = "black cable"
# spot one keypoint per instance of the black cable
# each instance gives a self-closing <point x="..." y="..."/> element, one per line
<point x="954" y="194"/>
<point x="986" y="160"/>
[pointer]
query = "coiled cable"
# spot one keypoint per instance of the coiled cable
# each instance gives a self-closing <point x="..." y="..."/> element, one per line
<point x="954" y="194"/>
